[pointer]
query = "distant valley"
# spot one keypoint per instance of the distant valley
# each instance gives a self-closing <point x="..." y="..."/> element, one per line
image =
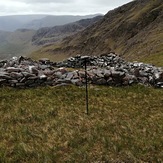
<point x="24" y="41"/>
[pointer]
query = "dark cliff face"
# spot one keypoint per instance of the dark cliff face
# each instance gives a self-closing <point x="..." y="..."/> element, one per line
<point x="133" y="30"/>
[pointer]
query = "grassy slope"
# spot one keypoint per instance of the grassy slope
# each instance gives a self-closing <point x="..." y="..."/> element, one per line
<point x="156" y="59"/>
<point x="44" y="53"/>
<point x="17" y="43"/>
<point x="49" y="124"/>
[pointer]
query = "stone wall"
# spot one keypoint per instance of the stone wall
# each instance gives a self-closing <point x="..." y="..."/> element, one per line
<point x="107" y="69"/>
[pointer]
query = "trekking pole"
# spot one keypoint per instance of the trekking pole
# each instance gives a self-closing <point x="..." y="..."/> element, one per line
<point x="85" y="58"/>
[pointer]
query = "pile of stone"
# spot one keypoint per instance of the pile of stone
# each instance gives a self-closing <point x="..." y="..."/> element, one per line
<point x="107" y="69"/>
<point x="111" y="69"/>
<point x="105" y="60"/>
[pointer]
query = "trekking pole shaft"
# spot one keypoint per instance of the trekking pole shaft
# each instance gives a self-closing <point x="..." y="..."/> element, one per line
<point x="86" y="87"/>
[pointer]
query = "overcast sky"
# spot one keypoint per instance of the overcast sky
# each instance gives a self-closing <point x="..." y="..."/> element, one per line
<point x="58" y="7"/>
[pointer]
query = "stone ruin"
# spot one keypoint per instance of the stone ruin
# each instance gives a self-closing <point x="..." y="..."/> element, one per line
<point x="109" y="69"/>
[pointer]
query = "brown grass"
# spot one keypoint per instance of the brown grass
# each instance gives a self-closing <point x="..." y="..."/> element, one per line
<point x="49" y="124"/>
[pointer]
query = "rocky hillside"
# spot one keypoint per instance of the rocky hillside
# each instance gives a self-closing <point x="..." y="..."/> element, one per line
<point x="134" y="30"/>
<point x="49" y="35"/>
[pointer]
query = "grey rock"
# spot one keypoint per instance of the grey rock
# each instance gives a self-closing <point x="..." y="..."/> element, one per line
<point x="58" y="74"/>
<point x="2" y="81"/>
<point x="33" y="70"/>
<point x="44" y="60"/>
<point x="43" y="67"/>
<point x="43" y="77"/>
<point x="159" y="84"/>
<point x="13" y="81"/>
<point x="69" y="76"/>
<point x="33" y="78"/>
<point x="82" y="74"/>
<point x="101" y="81"/>
<point x="22" y="80"/>
<point x="5" y="76"/>
<point x="20" y="85"/>
<point x="59" y="81"/>
<point x="76" y="82"/>
<point x="29" y="82"/>
<point x="13" y="69"/>
<point x="117" y="74"/>
<point x="107" y="73"/>
<point x="16" y="75"/>
<point x="27" y="74"/>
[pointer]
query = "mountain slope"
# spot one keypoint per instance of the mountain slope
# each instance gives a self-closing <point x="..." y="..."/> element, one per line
<point x="50" y="35"/>
<point x="16" y="43"/>
<point x="14" y="22"/>
<point x="19" y="42"/>
<point x="55" y="20"/>
<point x="134" y="30"/>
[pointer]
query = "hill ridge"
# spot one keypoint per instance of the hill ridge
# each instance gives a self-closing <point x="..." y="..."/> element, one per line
<point x="134" y="30"/>
<point x="49" y="35"/>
